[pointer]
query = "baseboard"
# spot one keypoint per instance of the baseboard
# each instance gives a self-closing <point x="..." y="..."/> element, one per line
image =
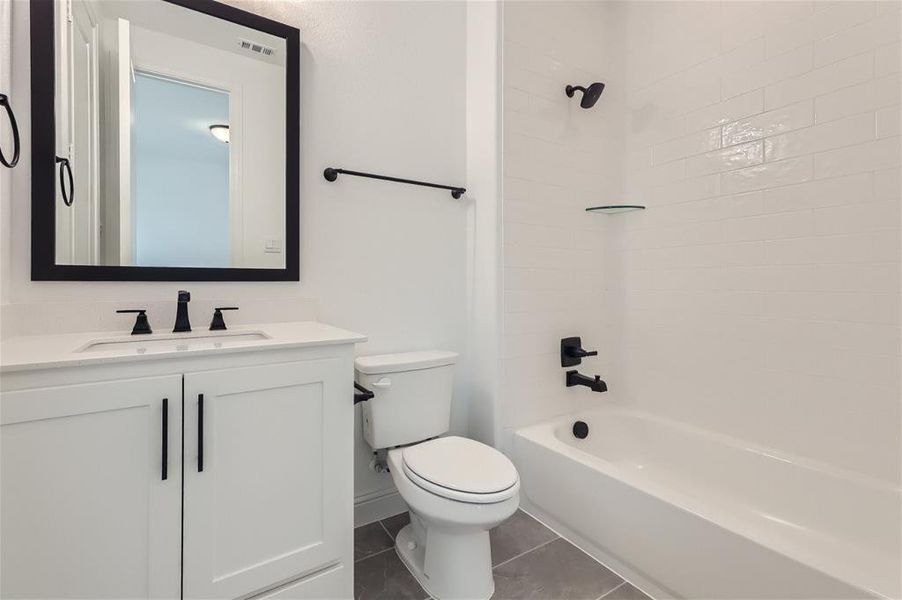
<point x="377" y="506"/>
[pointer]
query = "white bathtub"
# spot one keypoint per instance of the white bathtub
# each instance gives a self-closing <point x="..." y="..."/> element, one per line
<point x="688" y="513"/>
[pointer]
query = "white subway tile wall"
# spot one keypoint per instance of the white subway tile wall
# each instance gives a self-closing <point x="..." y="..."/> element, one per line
<point x="759" y="294"/>
<point x="558" y="159"/>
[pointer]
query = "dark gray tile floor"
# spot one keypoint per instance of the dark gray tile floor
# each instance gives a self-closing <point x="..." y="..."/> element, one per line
<point x="529" y="561"/>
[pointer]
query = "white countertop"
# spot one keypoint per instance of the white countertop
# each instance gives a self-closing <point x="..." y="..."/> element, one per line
<point x="69" y="350"/>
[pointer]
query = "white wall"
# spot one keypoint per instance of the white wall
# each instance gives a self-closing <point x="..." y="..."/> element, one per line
<point x="761" y="287"/>
<point x="484" y="46"/>
<point x="558" y="159"/>
<point x="382" y="89"/>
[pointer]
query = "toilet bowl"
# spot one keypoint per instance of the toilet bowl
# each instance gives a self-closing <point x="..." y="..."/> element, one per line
<point x="457" y="490"/>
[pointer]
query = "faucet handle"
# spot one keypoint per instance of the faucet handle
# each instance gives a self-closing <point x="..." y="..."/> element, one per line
<point x="141" y="323"/>
<point x="572" y="351"/>
<point x="218" y="323"/>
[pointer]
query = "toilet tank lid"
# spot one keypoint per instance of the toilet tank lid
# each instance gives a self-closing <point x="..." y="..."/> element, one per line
<point x="403" y="361"/>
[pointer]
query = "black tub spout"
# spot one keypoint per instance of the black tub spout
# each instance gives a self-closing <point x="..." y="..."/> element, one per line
<point x="596" y="385"/>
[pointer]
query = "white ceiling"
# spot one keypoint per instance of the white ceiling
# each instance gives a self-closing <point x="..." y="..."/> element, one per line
<point x="188" y="24"/>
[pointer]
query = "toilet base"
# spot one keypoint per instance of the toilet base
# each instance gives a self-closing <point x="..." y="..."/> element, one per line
<point x="458" y="566"/>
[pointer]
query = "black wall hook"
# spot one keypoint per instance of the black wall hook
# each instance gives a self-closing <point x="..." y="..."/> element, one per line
<point x="331" y="174"/>
<point x="4" y="102"/>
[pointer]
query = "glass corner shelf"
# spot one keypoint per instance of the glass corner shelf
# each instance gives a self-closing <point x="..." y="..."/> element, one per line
<point x="615" y="208"/>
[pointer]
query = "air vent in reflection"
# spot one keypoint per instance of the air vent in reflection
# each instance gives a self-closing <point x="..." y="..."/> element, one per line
<point x="256" y="48"/>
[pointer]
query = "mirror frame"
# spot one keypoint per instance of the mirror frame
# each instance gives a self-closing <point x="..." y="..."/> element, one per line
<point x="43" y="167"/>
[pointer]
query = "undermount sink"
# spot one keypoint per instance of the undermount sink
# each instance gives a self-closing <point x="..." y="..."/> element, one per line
<point x="173" y="342"/>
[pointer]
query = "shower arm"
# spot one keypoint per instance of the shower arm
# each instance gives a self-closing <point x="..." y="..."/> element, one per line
<point x="571" y="89"/>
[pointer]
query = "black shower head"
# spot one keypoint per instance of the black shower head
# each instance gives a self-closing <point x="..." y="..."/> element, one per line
<point x="590" y="94"/>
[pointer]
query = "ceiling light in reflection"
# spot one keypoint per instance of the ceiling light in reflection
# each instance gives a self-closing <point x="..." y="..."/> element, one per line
<point x="220" y="132"/>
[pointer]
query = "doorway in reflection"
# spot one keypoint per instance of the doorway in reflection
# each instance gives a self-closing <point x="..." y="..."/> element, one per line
<point x="180" y="174"/>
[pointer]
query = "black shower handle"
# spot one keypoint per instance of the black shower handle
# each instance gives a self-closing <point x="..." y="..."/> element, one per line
<point x="580" y="353"/>
<point x="4" y="102"/>
<point x="68" y="198"/>
<point x="572" y="352"/>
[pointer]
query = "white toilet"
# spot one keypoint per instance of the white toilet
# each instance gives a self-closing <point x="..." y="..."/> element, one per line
<point x="456" y="489"/>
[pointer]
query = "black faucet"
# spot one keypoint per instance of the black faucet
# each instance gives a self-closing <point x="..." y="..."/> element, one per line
<point x="181" y="316"/>
<point x="596" y="385"/>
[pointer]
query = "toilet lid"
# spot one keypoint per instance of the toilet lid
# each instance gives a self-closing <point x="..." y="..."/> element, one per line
<point x="462" y="465"/>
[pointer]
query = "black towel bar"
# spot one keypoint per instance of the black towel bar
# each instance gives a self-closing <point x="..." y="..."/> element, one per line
<point x="331" y="174"/>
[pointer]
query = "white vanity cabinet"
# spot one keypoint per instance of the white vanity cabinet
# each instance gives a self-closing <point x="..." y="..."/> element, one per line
<point x="252" y="496"/>
<point x="266" y="444"/>
<point x="84" y="509"/>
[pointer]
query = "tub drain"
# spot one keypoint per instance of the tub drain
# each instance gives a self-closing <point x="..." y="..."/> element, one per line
<point x="581" y="430"/>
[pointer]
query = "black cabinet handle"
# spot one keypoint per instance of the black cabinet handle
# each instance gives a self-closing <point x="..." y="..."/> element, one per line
<point x="200" y="433"/>
<point x="164" y="451"/>
<point x="68" y="197"/>
<point x="4" y="102"/>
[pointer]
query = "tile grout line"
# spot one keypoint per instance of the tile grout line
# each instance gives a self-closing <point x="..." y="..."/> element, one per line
<point x="383" y="551"/>
<point x="614" y="589"/>
<point x="385" y="529"/>
<point x="622" y="578"/>
<point x="392" y="547"/>
<point x="543" y="544"/>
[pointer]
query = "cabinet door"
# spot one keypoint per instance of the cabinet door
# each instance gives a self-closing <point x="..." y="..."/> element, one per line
<point x="86" y="508"/>
<point x="268" y="475"/>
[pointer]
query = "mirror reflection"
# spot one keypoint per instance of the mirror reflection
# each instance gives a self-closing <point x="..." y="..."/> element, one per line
<point x="170" y="138"/>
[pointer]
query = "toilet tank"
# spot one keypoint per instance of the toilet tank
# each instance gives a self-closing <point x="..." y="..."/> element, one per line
<point x="412" y="396"/>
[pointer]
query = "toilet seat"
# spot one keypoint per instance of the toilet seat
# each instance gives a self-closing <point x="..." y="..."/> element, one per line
<point x="461" y="469"/>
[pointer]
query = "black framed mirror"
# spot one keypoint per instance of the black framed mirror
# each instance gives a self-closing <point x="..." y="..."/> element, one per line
<point x="165" y="142"/>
